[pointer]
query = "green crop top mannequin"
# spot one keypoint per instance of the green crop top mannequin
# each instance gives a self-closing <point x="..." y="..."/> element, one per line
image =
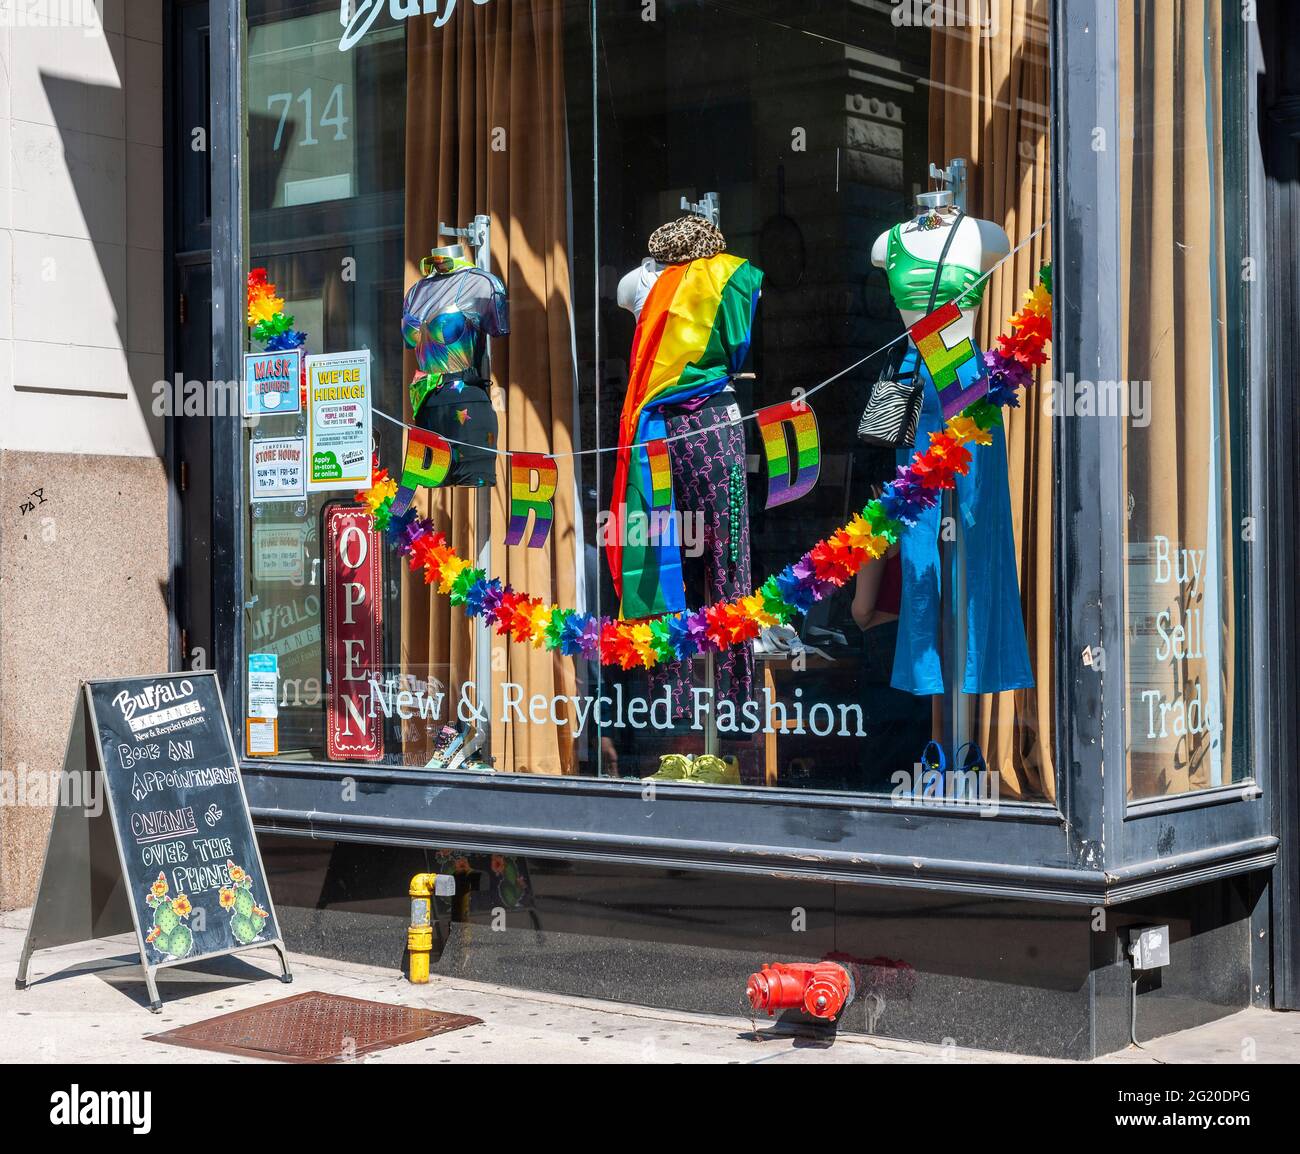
<point x="997" y="656"/>
<point x="911" y="278"/>
<point x="909" y="253"/>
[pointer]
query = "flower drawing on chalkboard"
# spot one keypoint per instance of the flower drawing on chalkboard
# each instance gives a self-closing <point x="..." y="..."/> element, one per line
<point x="247" y="918"/>
<point x="169" y="934"/>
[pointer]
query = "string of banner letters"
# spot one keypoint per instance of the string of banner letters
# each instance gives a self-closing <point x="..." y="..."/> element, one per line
<point x="827" y="566"/>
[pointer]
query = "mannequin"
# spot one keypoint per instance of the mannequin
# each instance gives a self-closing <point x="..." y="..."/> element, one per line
<point x="997" y="656"/>
<point x="694" y="305"/>
<point x="636" y="285"/>
<point x="978" y="245"/>
<point x="447" y="317"/>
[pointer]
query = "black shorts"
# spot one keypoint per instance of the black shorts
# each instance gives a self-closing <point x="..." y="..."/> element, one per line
<point x="463" y="414"/>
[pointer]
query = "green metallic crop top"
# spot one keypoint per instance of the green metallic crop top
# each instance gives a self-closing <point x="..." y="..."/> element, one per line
<point x="911" y="279"/>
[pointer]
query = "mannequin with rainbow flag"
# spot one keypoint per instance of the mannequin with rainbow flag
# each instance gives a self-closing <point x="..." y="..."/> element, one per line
<point x="695" y="305"/>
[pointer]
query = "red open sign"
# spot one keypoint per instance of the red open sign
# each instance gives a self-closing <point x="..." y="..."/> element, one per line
<point x="354" y="644"/>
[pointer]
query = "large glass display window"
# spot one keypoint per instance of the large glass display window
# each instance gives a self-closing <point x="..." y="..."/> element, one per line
<point x="671" y="402"/>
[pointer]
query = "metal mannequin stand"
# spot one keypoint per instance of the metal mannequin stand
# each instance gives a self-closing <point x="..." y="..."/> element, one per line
<point x="957" y="718"/>
<point x="709" y="206"/>
<point x="477" y="237"/>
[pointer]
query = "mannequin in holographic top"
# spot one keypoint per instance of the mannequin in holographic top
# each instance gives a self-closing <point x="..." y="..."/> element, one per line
<point x="997" y="656"/>
<point x="446" y="319"/>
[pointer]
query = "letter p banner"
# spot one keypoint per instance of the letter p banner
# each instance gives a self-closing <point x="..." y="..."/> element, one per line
<point x="428" y="460"/>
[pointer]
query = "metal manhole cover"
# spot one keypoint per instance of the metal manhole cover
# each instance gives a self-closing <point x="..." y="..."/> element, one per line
<point x="314" y="1027"/>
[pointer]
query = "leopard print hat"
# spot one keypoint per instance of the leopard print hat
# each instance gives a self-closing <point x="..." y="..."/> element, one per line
<point x="685" y="239"/>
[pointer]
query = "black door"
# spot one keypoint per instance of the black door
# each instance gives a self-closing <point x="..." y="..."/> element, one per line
<point x="190" y="367"/>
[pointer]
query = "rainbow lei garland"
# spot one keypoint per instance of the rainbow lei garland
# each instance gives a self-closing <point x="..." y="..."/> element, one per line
<point x="266" y="316"/>
<point x="268" y="321"/>
<point x="827" y="566"/>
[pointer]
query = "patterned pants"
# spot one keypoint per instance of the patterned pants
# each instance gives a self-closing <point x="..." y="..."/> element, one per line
<point x="707" y="469"/>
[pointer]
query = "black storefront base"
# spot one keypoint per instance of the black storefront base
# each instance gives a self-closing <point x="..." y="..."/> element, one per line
<point x="968" y="971"/>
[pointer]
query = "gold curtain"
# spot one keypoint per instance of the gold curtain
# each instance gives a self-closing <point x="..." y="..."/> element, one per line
<point x="486" y="134"/>
<point x="1174" y="286"/>
<point x="990" y="103"/>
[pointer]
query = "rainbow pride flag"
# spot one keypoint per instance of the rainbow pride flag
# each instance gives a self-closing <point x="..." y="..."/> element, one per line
<point x="693" y="333"/>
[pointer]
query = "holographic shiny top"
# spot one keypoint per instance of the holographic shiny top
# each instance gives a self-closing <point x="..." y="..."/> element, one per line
<point x="447" y="317"/>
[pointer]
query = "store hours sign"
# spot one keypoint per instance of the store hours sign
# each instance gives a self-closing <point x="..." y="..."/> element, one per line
<point x="359" y="16"/>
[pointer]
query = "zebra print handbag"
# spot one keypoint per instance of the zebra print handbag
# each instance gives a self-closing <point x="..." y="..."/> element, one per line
<point x="894" y="406"/>
<point x="892" y="411"/>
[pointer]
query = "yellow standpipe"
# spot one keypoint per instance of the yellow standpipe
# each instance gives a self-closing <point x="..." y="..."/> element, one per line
<point x="419" y="936"/>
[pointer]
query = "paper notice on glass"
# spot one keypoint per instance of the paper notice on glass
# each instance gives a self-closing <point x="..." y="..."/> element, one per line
<point x="261" y="737"/>
<point x="280" y="553"/>
<point x="263" y="685"/>
<point x="338" y="422"/>
<point x="272" y="383"/>
<point x="276" y="469"/>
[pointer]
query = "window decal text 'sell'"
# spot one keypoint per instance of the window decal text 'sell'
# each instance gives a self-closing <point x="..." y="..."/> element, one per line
<point x="359" y="16"/>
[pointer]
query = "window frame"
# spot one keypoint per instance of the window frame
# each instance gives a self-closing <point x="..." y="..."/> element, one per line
<point x="1084" y="848"/>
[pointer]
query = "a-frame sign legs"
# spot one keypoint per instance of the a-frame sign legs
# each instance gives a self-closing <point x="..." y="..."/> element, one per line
<point x="285" y="975"/>
<point x="81" y="895"/>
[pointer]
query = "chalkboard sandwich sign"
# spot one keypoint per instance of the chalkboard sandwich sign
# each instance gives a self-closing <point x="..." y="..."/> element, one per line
<point x="152" y="831"/>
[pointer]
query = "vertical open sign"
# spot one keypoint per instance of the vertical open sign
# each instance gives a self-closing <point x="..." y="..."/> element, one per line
<point x="353" y="633"/>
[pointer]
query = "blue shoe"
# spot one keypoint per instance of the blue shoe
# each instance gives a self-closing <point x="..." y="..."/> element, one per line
<point x="934" y="767"/>
<point x="972" y="762"/>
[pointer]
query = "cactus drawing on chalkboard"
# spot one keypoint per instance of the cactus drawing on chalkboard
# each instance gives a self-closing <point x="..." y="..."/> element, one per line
<point x="247" y="918"/>
<point x="169" y="934"/>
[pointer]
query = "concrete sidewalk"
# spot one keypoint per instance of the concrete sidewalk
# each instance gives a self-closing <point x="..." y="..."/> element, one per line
<point x="87" y="1004"/>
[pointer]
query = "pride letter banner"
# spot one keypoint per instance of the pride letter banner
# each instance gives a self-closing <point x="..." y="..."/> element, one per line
<point x="789" y="478"/>
<point x="957" y="372"/>
<point x="428" y="460"/>
<point x="533" y="478"/>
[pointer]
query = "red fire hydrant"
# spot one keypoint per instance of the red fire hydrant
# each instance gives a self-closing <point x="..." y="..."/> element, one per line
<point x="821" y="989"/>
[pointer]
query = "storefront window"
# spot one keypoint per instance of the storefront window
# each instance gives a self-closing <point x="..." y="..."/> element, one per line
<point x="634" y="392"/>
<point x="1186" y="276"/>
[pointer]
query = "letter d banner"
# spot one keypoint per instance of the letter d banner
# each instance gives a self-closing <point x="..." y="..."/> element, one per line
<point x="790" y="475"/>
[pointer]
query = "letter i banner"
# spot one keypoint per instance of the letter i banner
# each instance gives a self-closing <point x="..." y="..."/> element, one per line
<point x="661" y="475"/>
<point x="790" y="477"/>
<point x="957" y="372"/>
<point x="533" y="480"/>
<point x="427" y="463"/>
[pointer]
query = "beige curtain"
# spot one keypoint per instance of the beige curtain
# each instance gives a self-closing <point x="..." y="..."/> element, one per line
<point x="990" y="103"/>
<point x="1174" y="287"/>
<point x="486" y="134"/>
